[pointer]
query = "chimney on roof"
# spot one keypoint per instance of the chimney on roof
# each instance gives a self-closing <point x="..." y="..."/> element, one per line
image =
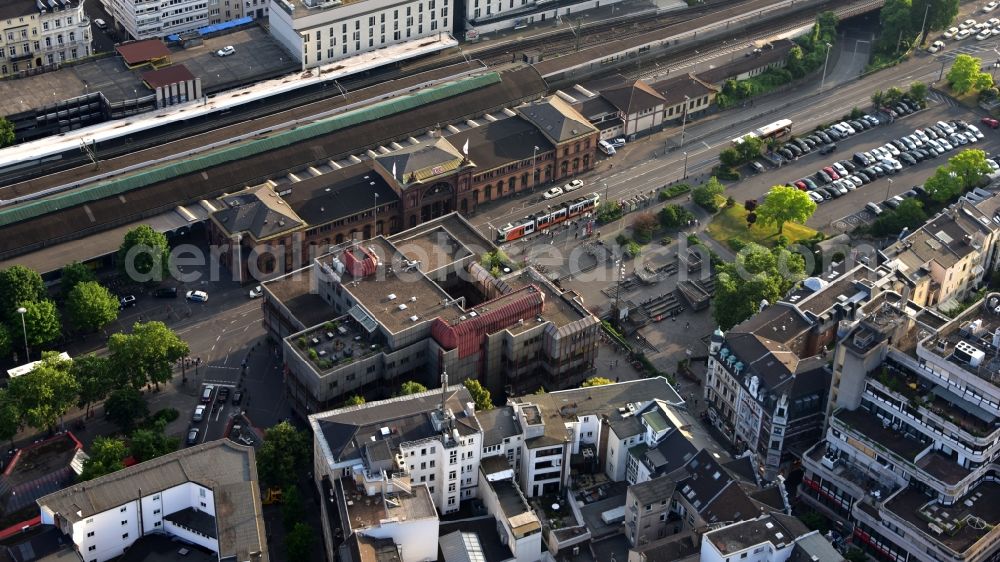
<point x="444" y="391"/>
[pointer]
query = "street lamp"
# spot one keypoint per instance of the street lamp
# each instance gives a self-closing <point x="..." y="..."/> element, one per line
<point x="887" y="188"/>
<point x="684" y="119"/>
<point x="685" y="166"/>
<point x="605" y="192"/>
<point x="825" y="62"/>
<point x="24" y="328"/>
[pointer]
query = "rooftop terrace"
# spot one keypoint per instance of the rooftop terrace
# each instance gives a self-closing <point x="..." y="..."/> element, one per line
<point x="334" y="343"/>
<point x="365" y="512"/>
<point x="971" y="341"/>
<point x="957" y="527"/>
<point x="884" y="437"/>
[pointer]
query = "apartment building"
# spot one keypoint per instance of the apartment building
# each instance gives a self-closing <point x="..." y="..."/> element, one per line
<point x="767" y="379"/>
<point x="774" y="537"/>
<point x="908" y="460"/>
<point x="148" y="19"/>
<point x="318" y="32"/>
<point x="368" y="316"/>
<point x="206" y="495"/>
<point x="949" y="256"/>
<point x="36" y="36"/>
<point x="517" y="523"/>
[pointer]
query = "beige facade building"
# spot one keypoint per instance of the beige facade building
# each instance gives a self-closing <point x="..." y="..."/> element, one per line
<point x="34" y="39"/>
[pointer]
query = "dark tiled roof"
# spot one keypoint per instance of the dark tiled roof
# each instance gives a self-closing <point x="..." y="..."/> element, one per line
<point x="674" y="89"/>
<point x="633" y="98"/>
<point x="10" y="9"/>
<point x="164" y="77"/>
<point x="194" y="519"/>
<point x="497" y="143"/>
<point x="338" y="194"/>
<point x="732" y="504"/>
<point x="556" y="118"/>
<point x="422" y="160"/>
<point x="770" y="497"/>
<point x="44" y="543"/>
<point x="671" y="454"/>
<point x="498" y="424"/>
<point x="141" y="51"/>
<point x="742" y="468"/>
<point x="767" y="57"/>
<point x="257" y="210"/>
<point x="595" y="107"/>
<point x="654" y="490"/>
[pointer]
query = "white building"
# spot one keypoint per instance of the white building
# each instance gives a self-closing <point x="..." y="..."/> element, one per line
<point x="770" y="538"/>
<point x="517" y="524"/>
<point x="36" y="35"/>
<point x="486" y="16"/>
<point x="206" y="495"/>
<point x="143" y="19"/>
<point x="318" y="32"/>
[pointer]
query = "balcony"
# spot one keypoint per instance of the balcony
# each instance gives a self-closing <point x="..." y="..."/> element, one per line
<point x="855" y="479"/>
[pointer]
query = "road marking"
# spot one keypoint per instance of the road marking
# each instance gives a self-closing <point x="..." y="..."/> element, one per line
<point x="211" y="350"/>
<point x="706" y="144"/>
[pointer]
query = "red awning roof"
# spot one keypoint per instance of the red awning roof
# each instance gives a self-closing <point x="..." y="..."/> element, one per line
<point x="138" y="52"/>
<point x="170" y="75"/>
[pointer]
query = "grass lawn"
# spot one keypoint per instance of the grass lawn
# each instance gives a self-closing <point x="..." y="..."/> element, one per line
<point x="731" y="224"/>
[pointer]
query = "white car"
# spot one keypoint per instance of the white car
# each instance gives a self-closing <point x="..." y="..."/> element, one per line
<point x="967" y="24"/>
<point x="256" y="292"/>
<point x="815" y="196"/>
<point x="199" y="413"/>
<point x="974" y="130"/>
<point x="945" y="144"/>
<point x="996" y="30"/>
<point x="552" y="193"/>
<point x="197" y="296"/>
<point x="575" y="184"/>
<point x="952" y="32"/>
<point x="993" y="22"/>
<point x="990" y="6"/>
<point x="935" y="47"/>
<point x="984" y="34"/>
<point x="892" y="149"/>
<point x="963" y="34"/>
<point x="226" y="51"/>
<point x="946" y="127"/>
<point x="101" y="24"/>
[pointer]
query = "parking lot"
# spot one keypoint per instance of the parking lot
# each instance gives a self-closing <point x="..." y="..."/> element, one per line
<point x="257" y="56"/>
<point x="846" y="212"/>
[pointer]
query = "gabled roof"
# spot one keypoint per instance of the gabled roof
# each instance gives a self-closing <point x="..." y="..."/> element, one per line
<point x="497" y="143"/>
<point x="257" y="211"/>
<point x="674" y="89"/>
<point x="557" y="119"/>
<point x="422" y="161"/>
<point x="633" y="97"/>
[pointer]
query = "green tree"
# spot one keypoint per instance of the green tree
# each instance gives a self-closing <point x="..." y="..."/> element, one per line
<point x="494" y="260"/>
<point x="124" y="407"/>
<point x="596" y="381"/>
<point x="896" y="24"/>
<point x="707" y="196"/>
<point x="148" y="354"/>
<point x="72" y="274"/>
<point x="144" y="254"/>
<point x="855" y="554"/>
<point x="785" y="204"/>
<point x="757" y="274"/>
<point x="609" y="211"/>
<point x="44" y="394"/>
<point x="480" y="395"/>
<point x="969" y="166"/>
<point x="918" y="93"/>
<point x="106" y="456"/>
<point x="299" y="543"/>
<point x="939" y="16"/>
<point x="909" y="214"/>
<point x="674" y="216"/>
<point x="795" y="62"/>
<point x="284" y="450"/>
<point x="7" y="136"/>
<point x="291" y="506"/>
<point x="149" y="443"/>
<point x="41" y="321"/>
<point x="965" y="75"/>
<point x="632" y="248"/>
<point x="91" y="306"/>
<point x="815" y="521"/>
<point x="10" y="417"/>
<point x="6" y="341"/>
<point x="730" y="157"/>
<point x="943" y="185"/>
<point x="893" y="95"/>
<point x="94" y="378"/>
<point x="643" y="226"/>
<point x="354" y="400"/>
<point x="878" y="98"/>
<point x="750" y="148"/>
<point x="411" y="387"/>
<point x="18" y="284"/>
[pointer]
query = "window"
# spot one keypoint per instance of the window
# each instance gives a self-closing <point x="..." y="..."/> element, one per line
<point x="92" y="548"/>
<point x="89" y="521"/>
<point x="90" y="534"/>
<point x="122" y="510"/>
<point x="156" y="512"/>
<point x="201" y="492"/>
<point x="124" y="522"/>
<point x="125" y="536"/>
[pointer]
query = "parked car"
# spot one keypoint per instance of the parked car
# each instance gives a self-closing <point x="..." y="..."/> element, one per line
<point x="197" y="296"/>
<point x="165" y="293"/>
<point x="573" y="185"/>
<point x="951" y="33"/>
<point x="990" y="122"/>
<point x="552" y="193"/>
<point x="828" y="148"/>
<point x="990" y="6"/>
<point x="974" y="130"/>
<point x="816" y="197"/>
<point x="226" y="51"/>
<point x="192" y="437"/>
<point x="874" y="208"/>
<point x="127" y="301"/>
<point x="206" y="393"/>
<point x="824" y="137"/>
<point x="256" y="292"/>
<point x="223" y="395"/>
<point x="758" y="167"/>
<point x="967" y="24"/>
<point x="832" y="173"/>
<point x="101" y="24"/>
<point x="936" y="46"/>
<point x="199" y="413"/>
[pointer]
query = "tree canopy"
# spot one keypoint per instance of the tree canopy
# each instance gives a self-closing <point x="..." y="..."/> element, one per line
<point x="785" y="204"/>
<point x="284" y="450"/>
<point x="44" y="394"/>
<point x="7" y="136"/>
<point x="144" y="254"/>
<point x="757" y="274"/>
<point x="124" y="407"/>
<point x="147" y="355"/>
<point x="939" y="16"/>
<point x="909" y="214"/>
<point x="354" y="400"/>
<point x="966" y="75"/>
<point x="480" y="395"/>
<point x="94" y="378"/>
<point x="106" y="456"/>
<point x="707" y="195"/>
<point x="596" y="381"/>
<point x="299" y="543"/>
<point x="72" y="274"/>
<point x="91" y="306"/>
<point x="151" y="442"/>
<point x="674" y="216"/>
<point x="962" y="172"/>
<point x="41" y="322"/>
<point x="18" y="284"/>
<point x="411" y="387"/>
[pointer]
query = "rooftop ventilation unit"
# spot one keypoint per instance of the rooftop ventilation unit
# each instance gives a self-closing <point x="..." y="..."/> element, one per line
<point x="392" y="296"/>
<point x="402" y="306"/>
<point x="969" y="353"/>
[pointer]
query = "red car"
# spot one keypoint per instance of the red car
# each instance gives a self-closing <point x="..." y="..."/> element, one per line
<point x="990" y="122"/>
<point x="832" y="173"/>
<point x="801" y="185"/>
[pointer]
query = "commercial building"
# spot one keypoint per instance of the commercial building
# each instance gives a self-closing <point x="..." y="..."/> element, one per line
<point x="774" y="537"/>
<point x="369" y="315"/>
<point x="767" y="379"/>
<point x="487" y="16"/>
<point x="908" y="460"/>
<point x="147" y="20"/>
<point x="38" y="36"/>
<point x="206" y="495"/>
<point x="318" y="32"/>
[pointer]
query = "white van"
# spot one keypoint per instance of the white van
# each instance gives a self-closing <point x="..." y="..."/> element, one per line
<point x="606" y="148"/>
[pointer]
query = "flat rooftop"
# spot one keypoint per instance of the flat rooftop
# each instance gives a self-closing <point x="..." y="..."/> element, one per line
<point x="336" y="342"/>
<point x="296" y="291"/>
<point x="366" y="512"/>
<point x="871" y="426"/>
<point x="957" y="527"/>
<point x="159" y="548"/>
<point x="520" y="516"/>
<point x="435" y="248"/>
<point x="967" y="342"/>
<point x="302" y="8"/>
<point x="771" y="529"/>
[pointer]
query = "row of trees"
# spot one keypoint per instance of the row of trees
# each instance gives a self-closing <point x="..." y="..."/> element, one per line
<point x="917" y="93"/>
<point x="963" y="171"/>
<point x="966" y="75"/>
<point x="903" y="20"/>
